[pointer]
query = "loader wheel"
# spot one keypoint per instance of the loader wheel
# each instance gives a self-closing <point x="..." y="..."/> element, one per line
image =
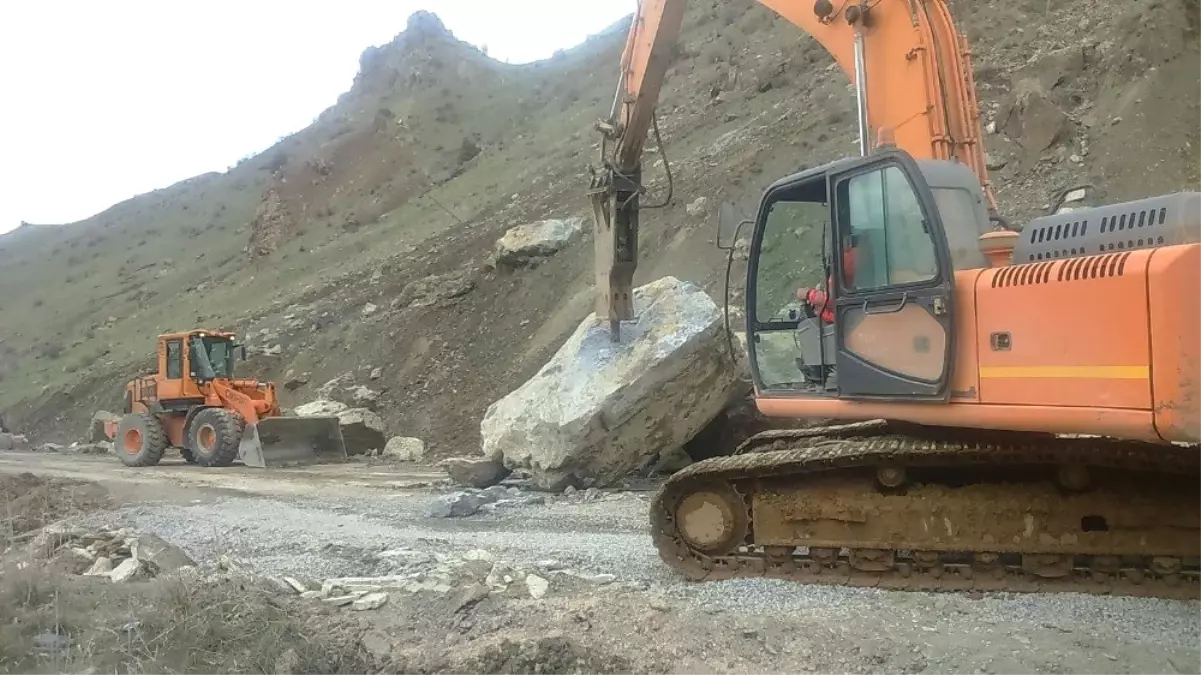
<point x="140" y="440"/>
<point x="213" y="437"/>
<point x="188" y="455"/>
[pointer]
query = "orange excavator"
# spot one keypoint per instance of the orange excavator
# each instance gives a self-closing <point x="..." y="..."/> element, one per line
<point x="1019" y="408"/>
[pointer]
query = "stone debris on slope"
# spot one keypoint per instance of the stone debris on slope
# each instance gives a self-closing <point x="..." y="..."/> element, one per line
<point x="599" y="411"/>
<point x="527" y="245"/>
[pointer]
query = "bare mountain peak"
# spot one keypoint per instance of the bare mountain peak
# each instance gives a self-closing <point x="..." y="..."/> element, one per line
<point x="422" y="22"/>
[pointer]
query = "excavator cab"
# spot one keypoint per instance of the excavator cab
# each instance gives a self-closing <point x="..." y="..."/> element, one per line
<point x="889" y="289"/>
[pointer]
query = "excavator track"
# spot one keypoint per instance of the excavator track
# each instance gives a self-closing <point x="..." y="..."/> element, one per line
<point x="871" y="504"/>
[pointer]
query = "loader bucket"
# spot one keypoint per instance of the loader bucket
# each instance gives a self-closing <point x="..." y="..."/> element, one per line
<point x="281" y="441"/>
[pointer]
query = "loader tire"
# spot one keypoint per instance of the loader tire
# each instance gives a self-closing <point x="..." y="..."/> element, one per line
<point x="214" y="435"/>
<point x="188" y="455"/>
<point x="140" y="440"/>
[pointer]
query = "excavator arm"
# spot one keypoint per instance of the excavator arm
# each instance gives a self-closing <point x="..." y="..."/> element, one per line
<point x="914" y="86"/>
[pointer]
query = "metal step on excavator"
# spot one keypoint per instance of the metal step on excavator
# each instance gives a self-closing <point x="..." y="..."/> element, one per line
<point x="193" y="402"/>
<point x="1020" y="408"/>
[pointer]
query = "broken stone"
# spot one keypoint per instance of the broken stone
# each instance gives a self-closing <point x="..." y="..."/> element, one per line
<point x="1036" y="123"/>
<point x="405" y="449"/>
<point x="474" y="472"/>
<point x="296" y="382"/>
<point x="471" y="595"/>
<point x="599" y="579"/>
<point x="103" y="567"/>
<point x="537" y="586"/>
<point x="370" y="601"/>
<point x="369" y="309"/>
<point x="296" y="584"/>
<point x="697" y="207"/>
<point x="529" y="244"/>
<point x="101" y="448"/>
<point x="376" y="373"/>
<point x="126" y="571"/>
<point x="1076" y="195"/>
<point x="599" y="410"/>
<point x="312" y="595"/>
<point x="274" y="350"/>
<point x="364" y="397"/>
<point x="320" y="408"/>
<point x="428" y="291"/>
<point x="456" y="505"/>
<point x="341" y="600"/>
<point x="362" y="431"/>
<point x="499" y="577"/>
<point x="478" y="554"/>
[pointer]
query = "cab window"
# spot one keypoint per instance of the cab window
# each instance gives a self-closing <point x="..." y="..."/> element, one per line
<point x="885" y="237"/>
<point x="174" y="359"/>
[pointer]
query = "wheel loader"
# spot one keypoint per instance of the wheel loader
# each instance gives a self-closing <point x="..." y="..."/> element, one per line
<point x="193" y="402"/>
<point x="1019" y="408"/>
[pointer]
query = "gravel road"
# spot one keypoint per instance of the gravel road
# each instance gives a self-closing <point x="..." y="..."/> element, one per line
<point x="330" y="522"/>
<point x="341" y="536"/>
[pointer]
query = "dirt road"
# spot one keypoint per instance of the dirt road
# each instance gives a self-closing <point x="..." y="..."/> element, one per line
<point x="364" y="520"/>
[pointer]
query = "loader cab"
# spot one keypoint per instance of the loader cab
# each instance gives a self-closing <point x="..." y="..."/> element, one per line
<point x="886" y="271"/>
<point x="188" y="360"/>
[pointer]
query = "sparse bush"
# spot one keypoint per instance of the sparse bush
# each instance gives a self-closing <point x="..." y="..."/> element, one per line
<point x="51" y="350"/>
<point x="468" y="150"/>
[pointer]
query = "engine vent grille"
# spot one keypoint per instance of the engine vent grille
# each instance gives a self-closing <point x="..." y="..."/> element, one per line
<point x="1146" y="223"/>
<point x="1088" y="267"/>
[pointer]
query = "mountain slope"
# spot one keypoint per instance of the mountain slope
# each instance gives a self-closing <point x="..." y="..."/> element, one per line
<point x="436" y="150"/>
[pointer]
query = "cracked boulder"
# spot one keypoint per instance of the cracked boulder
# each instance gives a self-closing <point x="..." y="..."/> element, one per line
<point x="598" y="411"/>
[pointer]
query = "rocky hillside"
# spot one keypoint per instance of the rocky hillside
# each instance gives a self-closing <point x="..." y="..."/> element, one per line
<point x="359" y="247"/>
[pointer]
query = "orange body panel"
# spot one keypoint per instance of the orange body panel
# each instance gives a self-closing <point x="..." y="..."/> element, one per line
<point x="1107" y="344"/>
<point x="1175" y="321"/>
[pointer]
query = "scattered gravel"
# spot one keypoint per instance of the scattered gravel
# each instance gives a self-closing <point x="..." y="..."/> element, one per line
<point x="324" y="537"/>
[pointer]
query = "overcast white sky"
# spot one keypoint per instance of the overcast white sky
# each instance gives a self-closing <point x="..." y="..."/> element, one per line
<point x="105" y="100"/>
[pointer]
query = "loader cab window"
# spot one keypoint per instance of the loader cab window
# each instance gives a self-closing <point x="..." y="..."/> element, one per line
<point x="221" y="356"/>
<point x="211" y="358"/>
<point x="891" y="241"/>
<point x="174" y="359"/>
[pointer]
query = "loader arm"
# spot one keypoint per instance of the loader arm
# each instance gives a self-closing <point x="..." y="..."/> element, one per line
<point x="914" y="85"/>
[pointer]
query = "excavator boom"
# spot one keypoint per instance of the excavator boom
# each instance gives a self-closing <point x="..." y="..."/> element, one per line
<point x="914" y="86"/>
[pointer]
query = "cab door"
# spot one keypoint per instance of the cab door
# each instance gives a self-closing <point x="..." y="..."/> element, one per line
<point x="171" y="369"/>
<point x="893" y="283"/>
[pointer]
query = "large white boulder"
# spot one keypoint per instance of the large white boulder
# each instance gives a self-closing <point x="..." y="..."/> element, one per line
<point x="598" y="411"/>
<point x="529" y="244"/>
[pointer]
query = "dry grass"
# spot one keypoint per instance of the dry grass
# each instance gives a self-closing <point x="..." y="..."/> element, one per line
<point x="31" y="502"/>
<point x="56" y="622"/>
<point x="53" y="620"/>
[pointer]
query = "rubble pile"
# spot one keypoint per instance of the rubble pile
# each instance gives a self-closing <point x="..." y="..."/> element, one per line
<point x="470" y="577"/>
<point x="118" y="555"/>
